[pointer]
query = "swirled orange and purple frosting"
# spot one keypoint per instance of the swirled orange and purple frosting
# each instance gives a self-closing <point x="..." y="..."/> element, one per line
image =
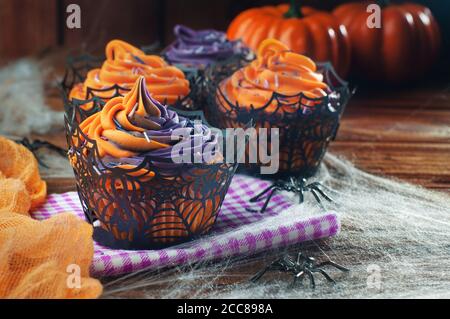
<point x="275" y="70"/>
<point x="135" y="126"/>
<point x="124" y="64"/>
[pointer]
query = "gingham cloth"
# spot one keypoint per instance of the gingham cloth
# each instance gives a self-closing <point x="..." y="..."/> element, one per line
<point x="236" y="232"/>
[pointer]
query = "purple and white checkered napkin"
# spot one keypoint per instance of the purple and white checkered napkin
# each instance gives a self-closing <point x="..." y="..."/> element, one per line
<point x="236" y="232"/>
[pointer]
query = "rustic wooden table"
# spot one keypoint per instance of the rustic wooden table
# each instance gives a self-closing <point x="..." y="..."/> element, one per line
<point x="402" y="133"/>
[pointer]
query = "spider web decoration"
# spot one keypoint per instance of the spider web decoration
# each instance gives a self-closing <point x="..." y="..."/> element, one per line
<point x="136" y="210"/>
<point x="77" y="68"/>
<point x="306" y="125"/>
<point x="19" y="81"/>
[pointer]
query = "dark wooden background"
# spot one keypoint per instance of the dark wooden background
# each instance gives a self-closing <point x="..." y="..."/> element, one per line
<point x="31" y="27"/>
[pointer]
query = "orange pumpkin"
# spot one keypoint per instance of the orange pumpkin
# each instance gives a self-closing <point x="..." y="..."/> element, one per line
<point x="305" y="30"/>
<point x="404" y="47"/>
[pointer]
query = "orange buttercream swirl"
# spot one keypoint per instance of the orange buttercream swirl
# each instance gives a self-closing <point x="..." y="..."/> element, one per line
<point x="124" y="64"/>
<point x="119" y="129"/>
<point x="275" y="70"/>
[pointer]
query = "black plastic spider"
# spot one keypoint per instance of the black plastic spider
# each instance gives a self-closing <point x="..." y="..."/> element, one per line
<point x="300" y="266"/>
<point x="37" y="144"/>
<point x="296" y="185"/>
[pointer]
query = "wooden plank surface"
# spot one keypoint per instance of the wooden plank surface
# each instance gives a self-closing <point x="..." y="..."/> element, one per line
<point x="27" y="27"/>
<point x="403" y="133"/>
<point x="103" y="20"/>
<point x="187" y="13"/>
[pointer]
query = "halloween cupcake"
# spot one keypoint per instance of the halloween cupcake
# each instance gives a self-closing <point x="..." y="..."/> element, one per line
<point x="198" y="49"/>
<point x="130" y="176"/>
<point x="124" y="64"/>
<point x="194" y="51"/>
<point x="285" y="90"/>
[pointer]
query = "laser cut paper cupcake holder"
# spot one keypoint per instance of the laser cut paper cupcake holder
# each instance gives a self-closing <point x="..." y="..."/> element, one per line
<point x="306" y="126"/>
<point x="130" y="209"/>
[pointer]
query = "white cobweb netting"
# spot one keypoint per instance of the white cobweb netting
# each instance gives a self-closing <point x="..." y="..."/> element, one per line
<point x="395" y="239"/>
<point x="22" y="100"/>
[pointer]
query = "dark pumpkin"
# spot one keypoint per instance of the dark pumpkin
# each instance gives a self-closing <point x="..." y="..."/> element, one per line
<point x="314" y="33"/>
<point x="403" y="48"/>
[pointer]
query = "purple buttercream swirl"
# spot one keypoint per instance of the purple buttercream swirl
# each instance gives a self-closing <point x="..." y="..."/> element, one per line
<point x="192" y="139"/>
<point x="201" y="47"/>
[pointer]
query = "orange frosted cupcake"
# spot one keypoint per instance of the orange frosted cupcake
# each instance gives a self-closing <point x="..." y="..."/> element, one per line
<point x="285" y="90"/>
<point x="124" y="64"/>
<point x="276" y="70"/>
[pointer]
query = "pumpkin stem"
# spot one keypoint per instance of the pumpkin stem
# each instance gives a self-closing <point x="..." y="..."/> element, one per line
<point x="383" y="3"/>
<point x="294" y="10"/>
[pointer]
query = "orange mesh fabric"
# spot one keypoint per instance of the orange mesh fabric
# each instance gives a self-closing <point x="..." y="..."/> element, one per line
<point x="14" y="197"/>
<point x="46" y="259"/>
<point x="19" y="163"/>
<point x="39" y="259"/>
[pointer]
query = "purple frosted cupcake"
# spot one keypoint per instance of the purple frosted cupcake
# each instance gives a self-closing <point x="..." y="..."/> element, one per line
<point x="199" y="49"/>
<point x="194" y="51"/>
